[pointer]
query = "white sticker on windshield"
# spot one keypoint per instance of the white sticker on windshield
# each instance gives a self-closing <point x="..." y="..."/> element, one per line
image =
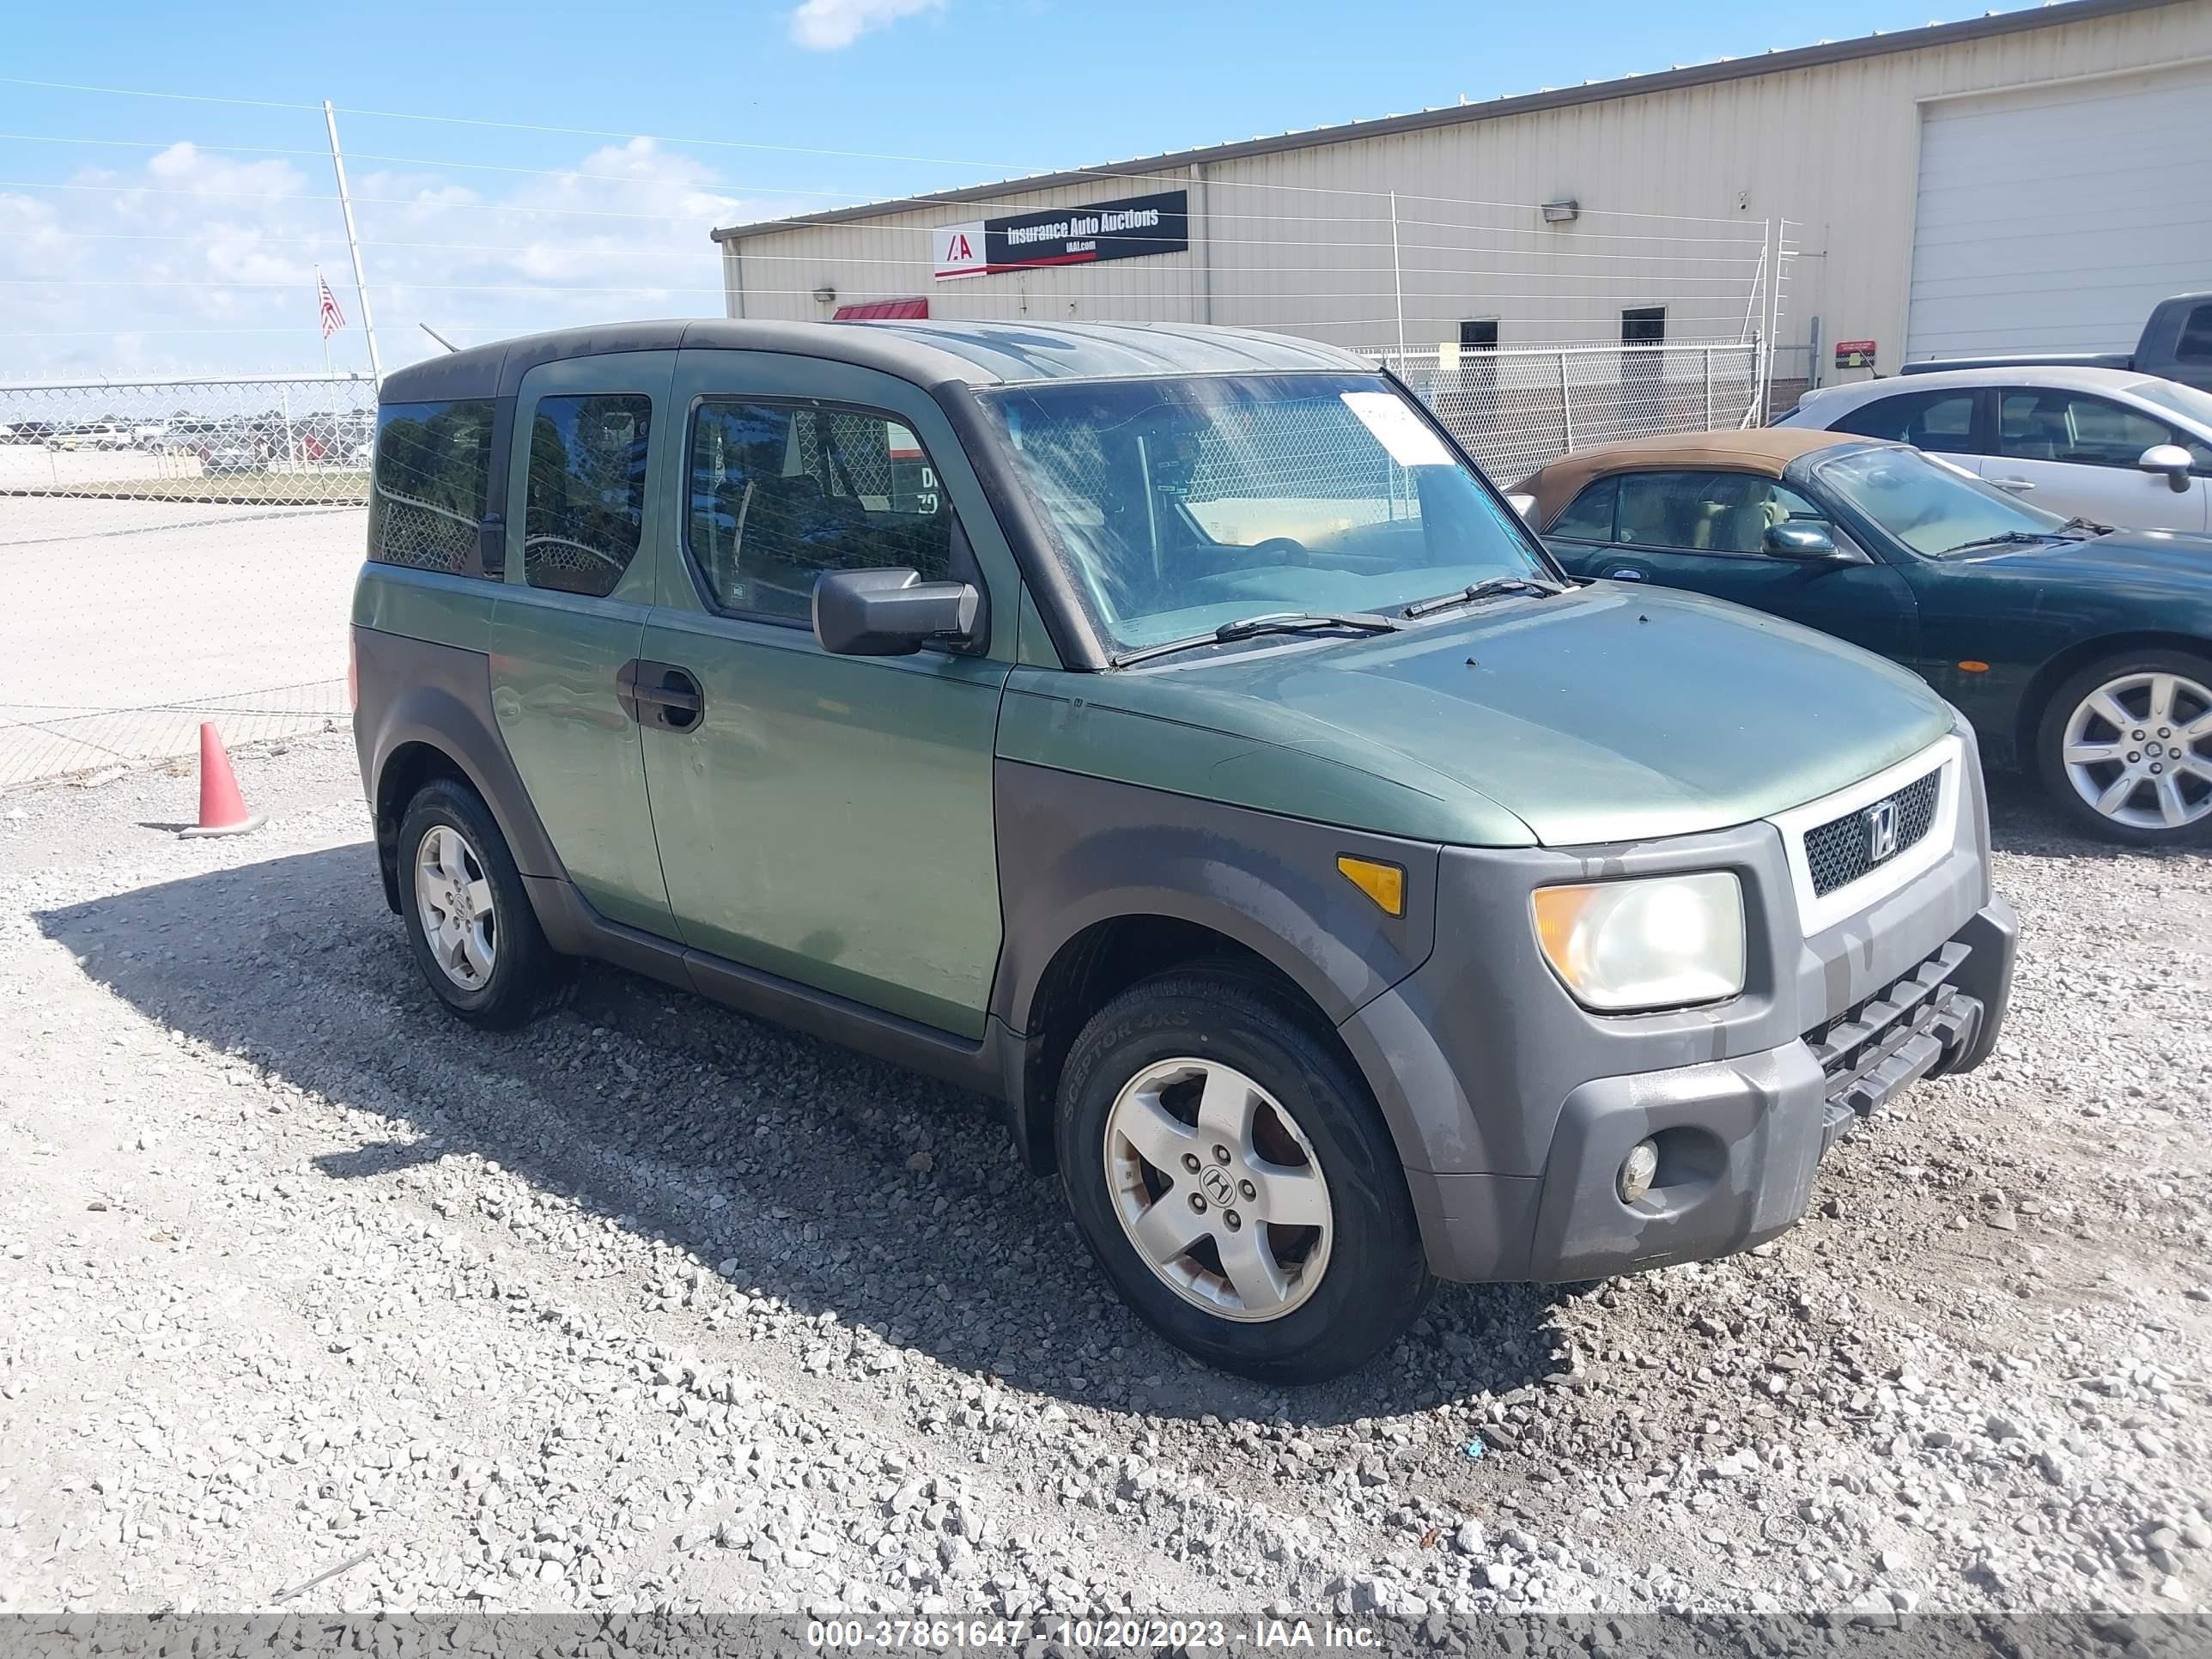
<point x="1397" y="428"/>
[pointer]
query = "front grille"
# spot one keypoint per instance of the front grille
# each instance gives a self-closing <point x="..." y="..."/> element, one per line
<point x="1917" y="1025"/>
<point x="1840" y="851"/>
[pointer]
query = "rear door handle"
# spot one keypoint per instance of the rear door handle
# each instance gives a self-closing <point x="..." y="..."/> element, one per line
<point x="671" y="692"/>
<point x="1624" y="573"/>
<point x="2015" y="485"/>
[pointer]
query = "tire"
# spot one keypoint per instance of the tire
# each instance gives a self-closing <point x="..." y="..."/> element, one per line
<point x="488" y="962"/>
<point x="1329" y="1296"/>
<point x="2164" y="694"/>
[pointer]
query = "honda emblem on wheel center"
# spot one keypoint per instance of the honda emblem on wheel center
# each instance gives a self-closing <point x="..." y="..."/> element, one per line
<point x="1881" y="830"/>
<point x="1217" y="1184"/>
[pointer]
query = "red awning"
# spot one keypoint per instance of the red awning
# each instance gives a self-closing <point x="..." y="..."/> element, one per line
<point x="879" y="311"/>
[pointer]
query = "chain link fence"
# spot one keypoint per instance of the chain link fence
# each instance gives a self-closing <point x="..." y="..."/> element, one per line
<point x="175" y="552"/>
<point x="1519" y="407"/>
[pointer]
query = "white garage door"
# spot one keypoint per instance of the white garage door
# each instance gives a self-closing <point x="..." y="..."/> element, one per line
<point x="2052" y="219"/>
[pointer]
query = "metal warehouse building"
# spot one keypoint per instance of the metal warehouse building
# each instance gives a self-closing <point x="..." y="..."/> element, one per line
<point x="2033" y="179"/>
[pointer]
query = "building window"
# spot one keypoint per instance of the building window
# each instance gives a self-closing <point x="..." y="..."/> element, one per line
<point x="1480" y="335"/>
<point x="1644" y="326"/>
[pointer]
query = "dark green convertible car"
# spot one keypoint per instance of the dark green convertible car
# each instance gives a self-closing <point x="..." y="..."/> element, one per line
<point x="2081" y="654"/>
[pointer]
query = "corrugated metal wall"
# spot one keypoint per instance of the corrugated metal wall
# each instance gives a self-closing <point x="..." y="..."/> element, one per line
<point x="1675" y="187"/>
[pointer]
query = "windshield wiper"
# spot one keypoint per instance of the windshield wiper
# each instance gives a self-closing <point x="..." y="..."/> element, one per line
<point x="1274" y="621"/>
<point x="1482" y="589"/>
<point x="2003" y="538"/>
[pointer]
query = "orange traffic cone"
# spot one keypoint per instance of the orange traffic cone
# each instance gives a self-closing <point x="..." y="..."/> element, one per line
<point x="223" y="809"/>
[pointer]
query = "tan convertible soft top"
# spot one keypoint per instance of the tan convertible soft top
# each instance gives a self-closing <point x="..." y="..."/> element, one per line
<point x="1761" y="449"/>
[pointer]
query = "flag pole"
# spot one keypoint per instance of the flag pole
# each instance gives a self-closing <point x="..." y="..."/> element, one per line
<point x="353" y="245"/>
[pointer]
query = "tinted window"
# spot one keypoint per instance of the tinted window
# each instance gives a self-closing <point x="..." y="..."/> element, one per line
<point x="780" y="494"/>
<point x="2067" y="426"/>
<point x="1707" y="512"/>
<point x="585" y="510"/>
<point x="1588" y="518"/>
<point x="426" y="502"/>
<point x="1927" y="420"/>
<point x="1480" y="335"/>
<point x="1644" y="326"/>
<point x="2195" y="344"/>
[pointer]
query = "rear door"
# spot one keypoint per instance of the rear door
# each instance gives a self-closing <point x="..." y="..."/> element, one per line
<point x="826" y="819"/>
<point x="2074" y="453"/>
<point x="1705" y="530"/>
<point x="1952" y="421"/>
<point x="581" y="534"/>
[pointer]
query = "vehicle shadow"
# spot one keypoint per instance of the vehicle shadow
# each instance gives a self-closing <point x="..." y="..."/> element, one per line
<point x="2024" y="820"/>
<point x="795" y="1169"/>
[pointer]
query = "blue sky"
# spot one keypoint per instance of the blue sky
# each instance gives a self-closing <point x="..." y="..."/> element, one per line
<point x="111" y="251"/>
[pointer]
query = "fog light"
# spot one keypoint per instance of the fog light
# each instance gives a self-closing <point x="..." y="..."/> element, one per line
<point x="1637" y="1170"/>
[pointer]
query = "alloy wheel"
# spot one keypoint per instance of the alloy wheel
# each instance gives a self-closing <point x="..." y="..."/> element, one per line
<point x="2138" y="750"/>
<point x="454" y="900"/>
<point x="1218" y="1190"/>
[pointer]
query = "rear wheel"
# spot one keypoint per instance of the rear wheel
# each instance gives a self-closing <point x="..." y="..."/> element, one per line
<point x="1235" y="1183"/>
<point x="2125" y="748"/>
<point x="475" y="938"/>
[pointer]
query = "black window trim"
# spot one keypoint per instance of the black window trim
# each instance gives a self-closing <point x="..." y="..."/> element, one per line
<point x="703" y="588"/>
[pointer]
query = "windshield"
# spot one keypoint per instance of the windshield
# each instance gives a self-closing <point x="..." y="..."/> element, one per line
<point x="1180" y="505"/>
<point x="2185" y="401"/>
<point x="1931" y="507"/>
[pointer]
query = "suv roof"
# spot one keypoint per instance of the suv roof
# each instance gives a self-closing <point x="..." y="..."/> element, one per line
<point x="981" y="354"/>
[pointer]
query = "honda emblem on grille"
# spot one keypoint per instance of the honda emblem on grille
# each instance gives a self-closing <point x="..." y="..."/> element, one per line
<point x="1881" y="830"/>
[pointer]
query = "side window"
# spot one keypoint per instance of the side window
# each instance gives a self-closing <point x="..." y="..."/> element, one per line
<point x="1707" y="512"/>
<point x="428" y="493"/>
<point x="584" y="509"/>
<point x="780" y="492"/>
<point x="1941" y="420"/>
<point x="2063" y="426"/>
<point x="1588" y="517"/>
<point x="2195" y="345"/>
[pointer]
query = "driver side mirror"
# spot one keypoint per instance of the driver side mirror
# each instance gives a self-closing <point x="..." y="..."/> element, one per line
<point x="1800" y="539"/>
<point x="2172" y="459"/>
<point x="1525" y="505"/>
<point x="892" y="613"/>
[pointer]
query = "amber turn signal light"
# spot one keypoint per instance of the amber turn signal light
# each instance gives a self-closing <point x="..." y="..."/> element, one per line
<point x="1383" y="883"/>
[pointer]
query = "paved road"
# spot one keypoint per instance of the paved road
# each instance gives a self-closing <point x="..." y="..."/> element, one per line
<point x="129" y="622"/>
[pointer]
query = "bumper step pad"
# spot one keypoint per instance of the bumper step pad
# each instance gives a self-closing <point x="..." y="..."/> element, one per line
<point x="1915" y="1028"/>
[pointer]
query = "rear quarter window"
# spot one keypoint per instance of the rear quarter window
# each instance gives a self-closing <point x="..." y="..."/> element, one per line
<point x="428" y="489"/>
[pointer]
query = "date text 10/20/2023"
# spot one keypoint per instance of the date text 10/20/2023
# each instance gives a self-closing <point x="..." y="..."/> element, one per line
<point x="1084" y="1635"/>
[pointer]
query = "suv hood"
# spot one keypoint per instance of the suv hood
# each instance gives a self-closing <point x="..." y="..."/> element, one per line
<point x="1602" y="714"/>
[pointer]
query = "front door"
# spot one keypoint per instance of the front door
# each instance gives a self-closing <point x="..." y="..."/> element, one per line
<point x="2075" y="454"/>
<point x="825" y="819"/>
<point x="582" y="536"/>
<point x="1705" y="530"/>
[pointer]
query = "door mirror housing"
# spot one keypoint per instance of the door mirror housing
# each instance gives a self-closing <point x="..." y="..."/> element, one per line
<point x="892" y="613"/>
<point x="1815" y="544"/>
<point x="2172" y="459"/>
<point x="1525" y="505"/>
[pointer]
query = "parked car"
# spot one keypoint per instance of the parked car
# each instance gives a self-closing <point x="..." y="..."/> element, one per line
<point x="2121" y="448"/>
<point x="1168" y="733"/>
<point x="2082" y="655"/>
<point x="2176" y="344"/>
<point x="90" y="434"/>
<point x="30" y="432"/>
<point x="228" y="455"/>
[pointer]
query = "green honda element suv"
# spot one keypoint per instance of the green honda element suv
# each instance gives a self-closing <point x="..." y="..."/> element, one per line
<point x="1168" y="733"/>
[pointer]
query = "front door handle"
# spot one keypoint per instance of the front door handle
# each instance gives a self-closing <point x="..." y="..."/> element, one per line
<point x="1624" y="573"/>
<point x="670" y="693"/>
<point x="2016" y="485"/>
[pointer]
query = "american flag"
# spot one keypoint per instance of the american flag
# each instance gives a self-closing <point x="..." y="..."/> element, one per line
<point x="333" y="319"/>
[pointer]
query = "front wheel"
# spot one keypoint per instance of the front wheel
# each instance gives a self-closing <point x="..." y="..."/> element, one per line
<point x="2125" y="748"/>
<point x="1233" y="1177"/>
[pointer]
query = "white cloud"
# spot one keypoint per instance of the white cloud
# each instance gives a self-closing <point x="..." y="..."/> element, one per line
<point x="194" y="262"/>
<point x="833" y="25"/>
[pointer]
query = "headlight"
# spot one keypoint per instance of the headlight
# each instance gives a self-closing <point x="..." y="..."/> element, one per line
<point x="1655" y="942"/>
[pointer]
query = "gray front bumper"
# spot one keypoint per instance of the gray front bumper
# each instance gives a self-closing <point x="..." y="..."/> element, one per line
<point x="1514" y="1106"/>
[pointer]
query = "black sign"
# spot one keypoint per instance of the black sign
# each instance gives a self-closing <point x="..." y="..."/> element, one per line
<point x="1128" y="229"/>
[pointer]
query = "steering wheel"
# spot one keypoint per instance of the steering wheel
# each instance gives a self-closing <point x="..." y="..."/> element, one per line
<point x="1286" y="549"/>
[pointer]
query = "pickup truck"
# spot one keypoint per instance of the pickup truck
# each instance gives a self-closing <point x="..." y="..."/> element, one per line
<point x="2176" y="343"/>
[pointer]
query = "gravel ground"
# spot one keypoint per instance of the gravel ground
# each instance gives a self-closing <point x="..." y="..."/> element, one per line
<point x="653" y="1306"/>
